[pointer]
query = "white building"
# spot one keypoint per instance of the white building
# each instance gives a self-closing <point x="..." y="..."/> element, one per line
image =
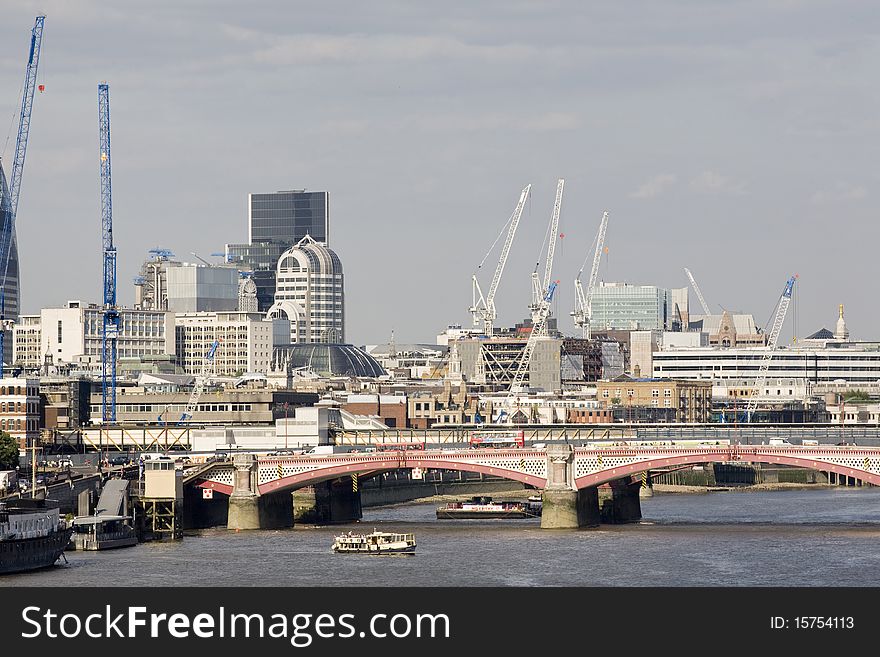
<point x="26" y="343"/>
<point x="850" y="364"/>
<point x="73" y="334"/>
<point x="310" y="293"/>
<point x="20" y="410"/>
<point x="246" y="341"/>
<point x="197" y="288"/>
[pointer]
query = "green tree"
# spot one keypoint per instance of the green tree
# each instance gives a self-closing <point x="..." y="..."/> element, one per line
<point x="8" y="451"/>
<point x="856" y="396"/>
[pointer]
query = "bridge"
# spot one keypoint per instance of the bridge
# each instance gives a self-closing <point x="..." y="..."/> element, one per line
<point x="568" y="476"/>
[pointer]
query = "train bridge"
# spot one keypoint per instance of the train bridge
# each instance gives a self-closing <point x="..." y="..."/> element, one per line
<point x="567" y="476"/>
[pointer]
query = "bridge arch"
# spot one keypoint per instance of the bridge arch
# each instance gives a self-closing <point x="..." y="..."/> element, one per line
<point x="619" y="471"/>
<point x="319" y="475"/>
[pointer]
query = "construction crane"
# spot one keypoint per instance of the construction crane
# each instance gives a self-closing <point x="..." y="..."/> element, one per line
<point x="206" y="372"/>
<point x="697" y="290"/>
<point x="483" y="308"/>
<point x="110" y="330"/>
<point x="773" y="338"/>
<point x="7" y="230"/>
<point x="541" y="307"/>
<point x="583" y="310"/>
<point x="539" y="289"/>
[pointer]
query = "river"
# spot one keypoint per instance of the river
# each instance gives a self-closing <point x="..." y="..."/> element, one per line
<point x="823" y="537"/>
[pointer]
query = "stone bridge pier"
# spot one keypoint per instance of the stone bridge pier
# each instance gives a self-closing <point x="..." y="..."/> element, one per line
<point x="566" y="507"/>
<point x="250" y="510"/>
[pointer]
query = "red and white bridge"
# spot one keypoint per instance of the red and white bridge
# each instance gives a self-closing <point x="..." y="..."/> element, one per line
<point x="584" y="466"/>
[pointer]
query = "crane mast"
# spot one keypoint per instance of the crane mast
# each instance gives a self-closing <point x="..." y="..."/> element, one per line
<point x="539" y="290"/>
<point x="696" y="287"/>
<point x="773" y="338"/>
<point x="206" y="372"/>
<point x="7" y="231"/>
<point x="110" y="327"/>
<point x="583" y="312"/>
<point x="483" y="308"/>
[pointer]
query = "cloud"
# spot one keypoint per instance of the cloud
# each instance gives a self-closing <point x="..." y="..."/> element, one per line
<point x="711" y="182"/>
<point x="654" y="186"/>
<point x="841" y="191"/>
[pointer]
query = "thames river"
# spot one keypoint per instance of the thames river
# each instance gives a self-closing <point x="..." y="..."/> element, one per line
<point x="823" y="537"/>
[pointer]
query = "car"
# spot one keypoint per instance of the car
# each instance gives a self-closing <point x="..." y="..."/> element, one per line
<point x="119" y="460"/>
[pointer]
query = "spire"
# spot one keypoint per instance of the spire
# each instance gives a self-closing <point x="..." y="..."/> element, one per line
<point x="392" y="350"/>
<point x="841" y="332"/>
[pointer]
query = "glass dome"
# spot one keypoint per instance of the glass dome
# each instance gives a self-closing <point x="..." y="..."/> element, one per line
<point x="327" y="359"/>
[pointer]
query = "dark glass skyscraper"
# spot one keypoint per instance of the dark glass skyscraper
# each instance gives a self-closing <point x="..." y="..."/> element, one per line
<point x="287" y="217"/>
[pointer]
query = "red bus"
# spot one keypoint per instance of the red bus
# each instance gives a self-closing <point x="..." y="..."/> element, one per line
<point x="499" y="439"/>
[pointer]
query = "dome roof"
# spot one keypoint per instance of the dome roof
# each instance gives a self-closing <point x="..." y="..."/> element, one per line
<point x="329" y="359"/>
<point x="311" y="255"/>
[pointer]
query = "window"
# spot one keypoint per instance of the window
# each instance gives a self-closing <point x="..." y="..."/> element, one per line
<point x="630" y="392"/>
<point x="667" y="403"/>
<point x="605" y="393"/>
<point x="667" y="393"/>
<point x="655" y="392"/>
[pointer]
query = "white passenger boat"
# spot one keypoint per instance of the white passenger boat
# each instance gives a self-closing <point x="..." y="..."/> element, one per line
<point x="375" y="543"/>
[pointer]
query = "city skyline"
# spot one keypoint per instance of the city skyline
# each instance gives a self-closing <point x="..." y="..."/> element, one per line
<point x="735" y="141"/>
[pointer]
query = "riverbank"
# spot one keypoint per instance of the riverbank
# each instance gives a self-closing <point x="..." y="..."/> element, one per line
<point x="676" y="488"/>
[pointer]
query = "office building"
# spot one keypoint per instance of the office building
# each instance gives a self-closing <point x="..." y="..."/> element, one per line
<point x="310" y="293"/>
<point x="73" y="334"/>
<point x="246" y="341"/>
<point x="632" y="308"/>
<point x="166" y="284"/>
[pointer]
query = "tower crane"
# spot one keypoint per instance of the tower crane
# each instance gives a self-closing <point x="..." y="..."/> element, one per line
<point x="583" y="311"/>
<point x="483" y="308"/>
<point x="541" y="307"/>
<point x="110" y="329"/>
<point x="207" y="371"/>
<point x="773" y="338"/>
<point x="539" y="290"/>
<point x="7" y="230"/>
<point x="697" y="290"/>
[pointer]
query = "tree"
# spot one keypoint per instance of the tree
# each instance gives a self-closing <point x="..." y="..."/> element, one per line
<point x="8" y="452"/>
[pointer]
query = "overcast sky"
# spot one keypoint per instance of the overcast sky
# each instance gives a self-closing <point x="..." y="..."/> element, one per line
<point x="738" y="139"/>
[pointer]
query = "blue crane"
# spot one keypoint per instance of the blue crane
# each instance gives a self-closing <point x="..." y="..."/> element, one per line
<point x="7" y="230"/>
<point x="111" y="313"/>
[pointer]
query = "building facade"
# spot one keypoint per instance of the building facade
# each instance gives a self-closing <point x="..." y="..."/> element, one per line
<point x="199" y="288"/>
<point x="20" y="410"/>
<point x="246" y="342"/>
<point x="26" y="344"/>
<point x="73" y="334"/>
<point x="689" y="401"/>
<point x="10" y="283"/>
<point x="289" y="216"/>
<point x="850" y="364"/>
<point x="631" y="307"/>
<point x="310" y="293"/>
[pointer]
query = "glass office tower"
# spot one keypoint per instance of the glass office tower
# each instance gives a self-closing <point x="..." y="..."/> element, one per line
<point x="288" y="217"/>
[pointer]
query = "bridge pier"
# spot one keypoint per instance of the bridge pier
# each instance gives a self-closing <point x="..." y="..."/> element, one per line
<point x="563" y="506"/>
<point x="328" y="502"/>
<point x="250" y="510"/>
<point x="623" y="506"/>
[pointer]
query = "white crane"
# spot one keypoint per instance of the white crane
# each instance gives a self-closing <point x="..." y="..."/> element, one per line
<point x="697" y="290"/>
<point x="541" y="303"/>
<point x="483" y="308"/>
<point x="539" y="290"/>
<point x="773" y="338"/>
<point x="207" y="371"/>
<point x="583" y="310"/>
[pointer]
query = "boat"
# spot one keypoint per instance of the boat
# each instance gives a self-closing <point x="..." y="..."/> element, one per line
<point x="485" y="507"/>
<point x="375" y="543"/>
<point x="102" y="533"/>
<point x="31" y="538"/>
